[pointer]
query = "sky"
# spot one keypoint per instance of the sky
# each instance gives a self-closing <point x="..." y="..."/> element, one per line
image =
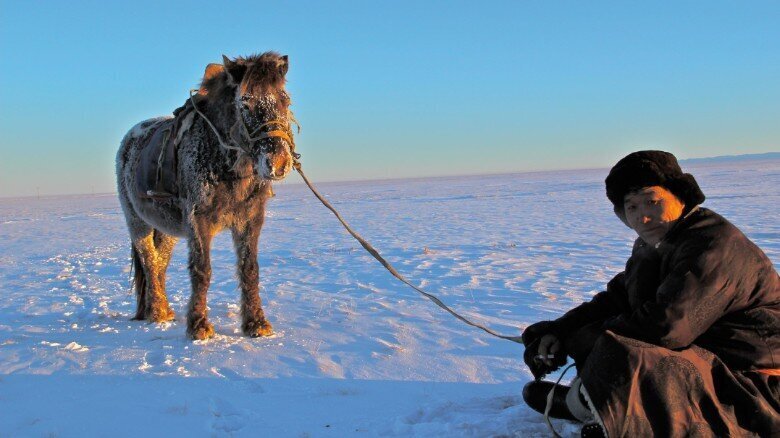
<point x="396" y="89"/>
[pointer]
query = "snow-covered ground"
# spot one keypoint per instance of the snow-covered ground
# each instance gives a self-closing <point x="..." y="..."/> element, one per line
<point x="356" y="353"/>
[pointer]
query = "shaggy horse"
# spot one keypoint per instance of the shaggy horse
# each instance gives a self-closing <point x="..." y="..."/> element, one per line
<point x="213" y="164"/>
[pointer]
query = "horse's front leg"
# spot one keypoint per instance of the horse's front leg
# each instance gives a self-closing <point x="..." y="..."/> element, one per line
<point x="253" y="322"/>
<point x="200" y="235"/>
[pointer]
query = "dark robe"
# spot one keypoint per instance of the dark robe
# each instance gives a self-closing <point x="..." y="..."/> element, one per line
<point x="685" y="341"/>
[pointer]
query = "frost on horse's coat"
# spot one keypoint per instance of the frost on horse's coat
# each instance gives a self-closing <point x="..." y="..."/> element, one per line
<point x="214" y="186"/>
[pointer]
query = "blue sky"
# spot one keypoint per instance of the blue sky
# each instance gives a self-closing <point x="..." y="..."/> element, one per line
<point x="396" y="89"/>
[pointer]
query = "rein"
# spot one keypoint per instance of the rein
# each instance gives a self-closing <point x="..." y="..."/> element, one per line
<point x="371" y="250"/>
<point x="239" y="132"/>
<point x="367" y="246"/>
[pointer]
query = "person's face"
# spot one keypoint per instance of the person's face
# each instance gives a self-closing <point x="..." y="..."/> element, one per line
<point x="651" y="212"/>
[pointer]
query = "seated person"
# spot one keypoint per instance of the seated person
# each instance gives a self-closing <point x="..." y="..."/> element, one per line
<point x="685" y="341"/>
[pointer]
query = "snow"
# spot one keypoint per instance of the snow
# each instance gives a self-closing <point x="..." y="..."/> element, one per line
<point x="356" y="352"/>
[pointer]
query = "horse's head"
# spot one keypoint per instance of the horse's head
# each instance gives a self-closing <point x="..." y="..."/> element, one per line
<point x="263" y="114"/>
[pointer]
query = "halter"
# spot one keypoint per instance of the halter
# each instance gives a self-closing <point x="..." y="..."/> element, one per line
<point x="242" y="140"/>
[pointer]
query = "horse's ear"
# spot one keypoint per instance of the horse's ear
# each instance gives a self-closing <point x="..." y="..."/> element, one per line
<point x="212" y="71"/>
<point x="283" y="65"/>
<point x="235" y="70"/>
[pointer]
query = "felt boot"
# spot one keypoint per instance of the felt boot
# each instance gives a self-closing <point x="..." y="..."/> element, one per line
<point x="535" y="396"/>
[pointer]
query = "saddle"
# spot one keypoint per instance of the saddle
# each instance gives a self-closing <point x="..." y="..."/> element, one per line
<point x="157" y="170"/>
<point x="156" y="174"/>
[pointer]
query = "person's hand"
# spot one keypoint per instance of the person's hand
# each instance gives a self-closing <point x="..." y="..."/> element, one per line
<point x="549" y="347"/>
<point x="542" y="360"/>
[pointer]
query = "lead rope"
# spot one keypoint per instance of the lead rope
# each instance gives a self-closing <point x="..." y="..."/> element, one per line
<point x="367" y="246"/>
<point x="371" y="250"/>
<point x="549" y="404"/>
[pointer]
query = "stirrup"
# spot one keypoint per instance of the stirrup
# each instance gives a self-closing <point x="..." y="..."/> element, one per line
<point x="157" y="194"/>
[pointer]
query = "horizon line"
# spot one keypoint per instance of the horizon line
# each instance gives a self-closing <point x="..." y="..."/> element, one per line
<point x="760" y="155"/>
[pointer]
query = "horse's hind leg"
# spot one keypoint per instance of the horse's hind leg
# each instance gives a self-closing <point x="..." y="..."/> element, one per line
<point x="139" y="284"/>
<point x="253" y="322"/>
<point x="152" y="303"/>
<point x="163" y="244"/>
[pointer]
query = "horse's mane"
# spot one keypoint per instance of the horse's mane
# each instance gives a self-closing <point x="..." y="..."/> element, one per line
<point x="264" y="70"/>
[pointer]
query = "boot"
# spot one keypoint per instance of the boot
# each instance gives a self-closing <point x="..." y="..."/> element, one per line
<point x="535" y="396"/>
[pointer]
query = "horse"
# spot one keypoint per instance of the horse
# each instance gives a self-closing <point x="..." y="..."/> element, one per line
<point x="213" y="164"/>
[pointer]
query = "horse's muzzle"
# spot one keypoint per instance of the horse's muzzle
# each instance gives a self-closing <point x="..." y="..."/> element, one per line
<point x="275" y="165"/>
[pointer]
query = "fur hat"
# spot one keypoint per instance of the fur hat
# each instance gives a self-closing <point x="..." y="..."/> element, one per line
<point x="651" y="168"/>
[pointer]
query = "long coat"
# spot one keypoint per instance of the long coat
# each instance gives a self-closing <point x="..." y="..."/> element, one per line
<point x="686" y="340"/>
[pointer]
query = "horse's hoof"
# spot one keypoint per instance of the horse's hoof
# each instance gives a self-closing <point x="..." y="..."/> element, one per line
<point x="140" y="315"/>
<point x="161" y="315"/>
<point x="203" y="331"/>
<point x="256" y="329"/>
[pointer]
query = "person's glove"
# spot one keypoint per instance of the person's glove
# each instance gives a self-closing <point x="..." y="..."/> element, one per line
<point x="555" y="355"/>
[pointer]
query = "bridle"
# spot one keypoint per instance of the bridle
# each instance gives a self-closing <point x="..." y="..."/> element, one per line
<point x="242" y="141"/>
<point x="243" y="131"/>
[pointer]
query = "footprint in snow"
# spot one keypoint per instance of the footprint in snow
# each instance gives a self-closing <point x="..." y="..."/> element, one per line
<point x="225" y="417"/>
<point x="251" y="385"/>
<point x="154" y="358"/>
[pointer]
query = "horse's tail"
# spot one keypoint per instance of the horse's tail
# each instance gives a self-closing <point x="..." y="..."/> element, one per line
<point x="139" y="283"/>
